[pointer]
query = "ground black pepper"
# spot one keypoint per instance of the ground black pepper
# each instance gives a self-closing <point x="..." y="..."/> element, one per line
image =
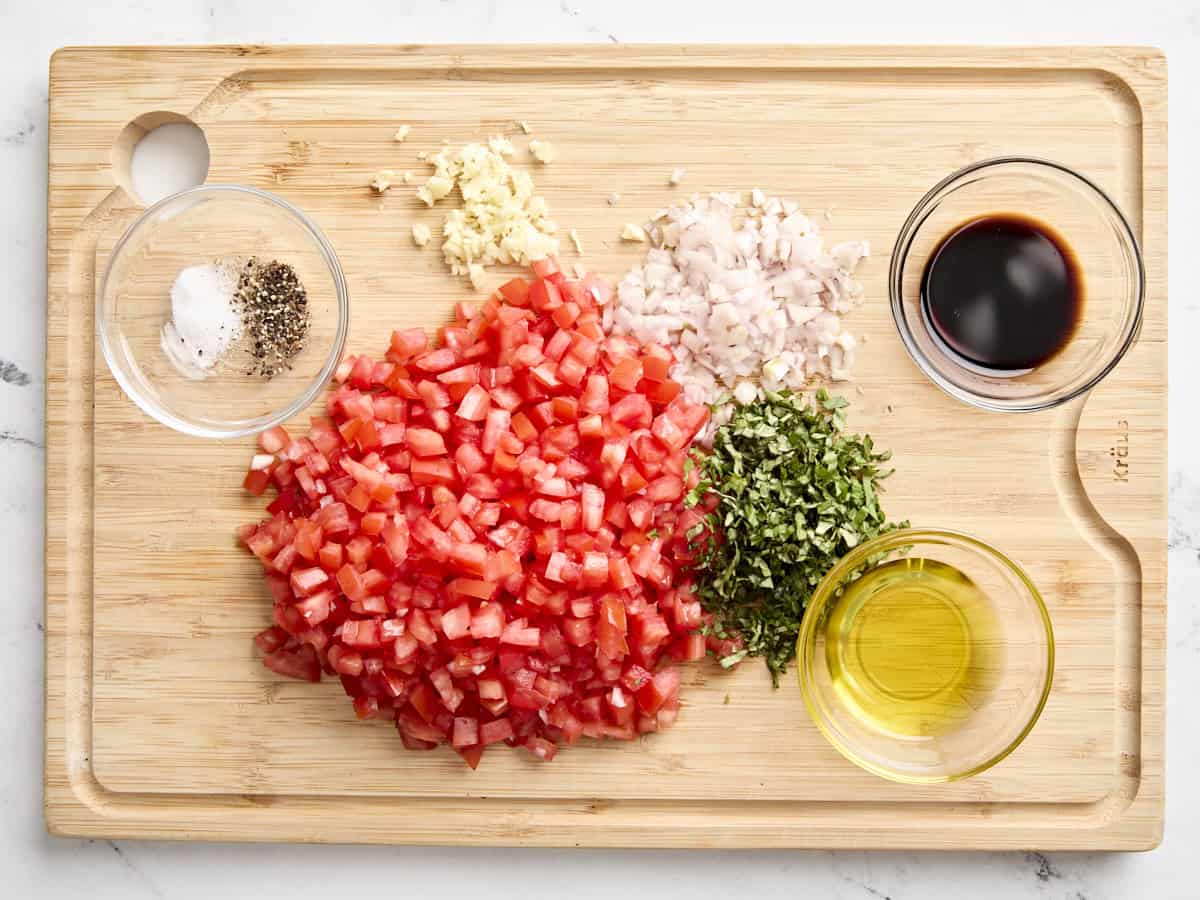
<point x="275" y="315"/>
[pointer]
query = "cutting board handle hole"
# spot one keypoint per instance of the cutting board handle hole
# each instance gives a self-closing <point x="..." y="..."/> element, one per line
<point x="159" y="154"/>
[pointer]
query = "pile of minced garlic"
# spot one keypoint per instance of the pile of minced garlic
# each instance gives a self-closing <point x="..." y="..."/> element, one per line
<point x="746" y="295"/>
<point x="501" y="219"/>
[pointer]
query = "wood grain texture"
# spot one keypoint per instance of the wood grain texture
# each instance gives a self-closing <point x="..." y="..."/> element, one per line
<point x="160" y="721"/>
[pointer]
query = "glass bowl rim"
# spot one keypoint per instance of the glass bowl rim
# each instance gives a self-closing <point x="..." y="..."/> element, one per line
<point x="824" y="592"/>
<point x="160" y="412"/>
<point x="899" y="257"/>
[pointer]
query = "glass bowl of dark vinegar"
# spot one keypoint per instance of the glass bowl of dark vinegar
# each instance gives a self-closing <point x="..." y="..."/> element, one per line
<point x="1016" y="284"/>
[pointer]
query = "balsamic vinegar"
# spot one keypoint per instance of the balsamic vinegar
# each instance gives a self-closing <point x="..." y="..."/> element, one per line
<point x="1003" y="292"/>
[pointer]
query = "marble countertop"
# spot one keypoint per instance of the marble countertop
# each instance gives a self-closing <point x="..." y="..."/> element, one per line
<point x="34" y="864"/>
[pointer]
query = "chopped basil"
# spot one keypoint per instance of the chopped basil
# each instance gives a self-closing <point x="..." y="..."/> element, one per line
<point x="795" y="493"/>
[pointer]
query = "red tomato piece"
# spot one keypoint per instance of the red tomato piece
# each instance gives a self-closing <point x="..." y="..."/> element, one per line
<point x="468" y="374"/>
<point x="433" y="471"/>
<point x="626" y="374"/>
<point x="456" y="622"/>
<point x="469" y="558"/>
<point x="274" y="440"/>
<point x="595" y="569"/>
<point x="595" y="395"/>
<point x="516" y="292"/>
<point x="475" y="404"/>
<point x="495" y="731"/>
<point x="301" y="663"/>
<point x="661" y="689"/>
<point x="408" y="343"/>
<point x="656" y="368"/>
<point x="592" y="507"/>
<point x="439" y="360"/>
<point x="544" y="296"/>
<point x="256" y="481"/>
<point x="612" y="628"/>
<point x="498" y="421"/>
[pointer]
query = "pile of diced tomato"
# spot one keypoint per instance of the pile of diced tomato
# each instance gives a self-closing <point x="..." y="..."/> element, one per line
<point x="486" y="540"/>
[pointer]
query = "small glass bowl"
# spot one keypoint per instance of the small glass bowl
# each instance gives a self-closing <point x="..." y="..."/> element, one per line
<point x="1092" y="226"/>
<point x="977" y="691"/>
<point x="200" y="226"/>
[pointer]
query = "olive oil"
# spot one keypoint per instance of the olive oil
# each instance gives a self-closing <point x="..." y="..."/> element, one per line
<point x="912" y="648"/>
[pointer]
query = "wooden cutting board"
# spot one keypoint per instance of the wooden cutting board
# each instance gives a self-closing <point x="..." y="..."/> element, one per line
<point x="161" y="721"/>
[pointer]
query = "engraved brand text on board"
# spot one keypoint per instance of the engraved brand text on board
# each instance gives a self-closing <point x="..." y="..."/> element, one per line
<point x="1120" y="452"/>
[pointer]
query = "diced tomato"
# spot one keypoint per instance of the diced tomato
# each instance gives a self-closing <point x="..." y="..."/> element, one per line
<point x="475" y="404"/>
<point x="523" y="428"/>
<point x="256" y="481"/>
<point x="408" y="343"/>
<point x="301" y="663"/>
<point x="656" y="368"/>
<point x="437" y="360"/>
<point x="483" y="539"/>
<point x="495" y="731"/>
<point x="317" y="608"/>
<point x="519" y="634"/>
<point x="662" y="393"/>
<point x="689" y="648"/>
<point x="632" y="410"/>
<point x="544" y="296"/>
<point x="626" y="374"/>
<point x="497" y="424"/>
<point x="572" y="370"/>
<point x="274" y="440"/>
<point x="468" y="374"/>
<point x="620" y="574"/>
<point x="469" y="558"/>
<point x="595" y="395"/>
<point x="488" y="622"/>
<point x="456" y="622"/>
<point x="591" y="426"/>
<point x="433" y="471"/>
<point x="308" y="581"/>
<point x="516" y="292"/>
<point x="631" y="479"/>
<point x="660" y="690"/>
<point x="595" y="569"/>
<point x="466" y="732"/>
<point x="612" y="628"/>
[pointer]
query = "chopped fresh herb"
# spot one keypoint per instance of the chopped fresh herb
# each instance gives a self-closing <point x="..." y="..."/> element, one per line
<point x="795" y="493"/>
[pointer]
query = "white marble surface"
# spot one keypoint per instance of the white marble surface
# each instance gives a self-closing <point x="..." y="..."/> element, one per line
<point x="32" y="864"/>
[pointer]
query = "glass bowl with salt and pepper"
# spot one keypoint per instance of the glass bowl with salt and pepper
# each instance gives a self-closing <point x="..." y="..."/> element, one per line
<point x="223" y="311"/>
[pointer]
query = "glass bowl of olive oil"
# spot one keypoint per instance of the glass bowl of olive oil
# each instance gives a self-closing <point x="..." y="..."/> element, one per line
<point x="926" y="656"/>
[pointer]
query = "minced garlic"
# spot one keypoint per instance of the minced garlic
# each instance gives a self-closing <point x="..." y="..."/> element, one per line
<point x="501" y="145"/>
<point x="421" y="234"/>
<point x="500" y="220"/>
<point x="382" y="180"/>
<point x="401" y="133"/>
<point x="542" y="151"/>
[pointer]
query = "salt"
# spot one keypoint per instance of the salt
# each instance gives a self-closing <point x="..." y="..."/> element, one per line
<point x="204" y="319"/>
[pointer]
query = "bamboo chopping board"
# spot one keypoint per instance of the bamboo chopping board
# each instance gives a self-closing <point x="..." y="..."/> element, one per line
<point x="160" y="720"/>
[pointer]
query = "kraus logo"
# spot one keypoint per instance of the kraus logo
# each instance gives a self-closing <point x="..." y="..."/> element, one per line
<point x="1119" y="452"/>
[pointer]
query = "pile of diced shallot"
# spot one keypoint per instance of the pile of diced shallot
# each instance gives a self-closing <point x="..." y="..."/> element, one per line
<point x="746" y="296"/>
